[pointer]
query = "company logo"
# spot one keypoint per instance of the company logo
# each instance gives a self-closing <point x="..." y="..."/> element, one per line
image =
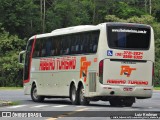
<point x="6" y="114"/>
<point x="64" y="63"/>
<point x="84" y="67"/>
<point x="109" y="53"/>
<point x="126" y="70"/>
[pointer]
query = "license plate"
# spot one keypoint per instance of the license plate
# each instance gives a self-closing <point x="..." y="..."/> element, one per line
<point x="127" y="88"/>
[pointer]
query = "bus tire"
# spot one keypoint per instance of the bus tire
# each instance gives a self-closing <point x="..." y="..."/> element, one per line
<point x="34" y="96"/>
<point x="74" y="95"/>
<point x="83" y="100"/>
<point x="128" y="102"/>
<point x="114" y="102"/>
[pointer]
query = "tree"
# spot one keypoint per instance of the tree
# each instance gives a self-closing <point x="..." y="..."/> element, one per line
<point x="18" y="16"/>
<point x="10" y="70"/>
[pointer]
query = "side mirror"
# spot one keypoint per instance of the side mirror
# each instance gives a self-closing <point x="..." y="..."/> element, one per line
<point x="21" y="57"/>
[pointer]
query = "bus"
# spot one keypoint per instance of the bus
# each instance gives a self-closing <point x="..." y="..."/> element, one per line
<point x="110" y="62"/>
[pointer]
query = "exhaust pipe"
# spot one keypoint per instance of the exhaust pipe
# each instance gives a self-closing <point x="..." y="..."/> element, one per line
<point x="112" y="93"/>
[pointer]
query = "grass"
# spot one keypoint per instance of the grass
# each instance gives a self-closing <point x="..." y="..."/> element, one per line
<point x="8" y="103"/>
<point x="10" y="88"/>
<point x="156" y="88"/>
<point x="15" y="103"/>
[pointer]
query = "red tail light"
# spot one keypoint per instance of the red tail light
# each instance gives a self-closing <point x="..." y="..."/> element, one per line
<point x="101" y="71"/>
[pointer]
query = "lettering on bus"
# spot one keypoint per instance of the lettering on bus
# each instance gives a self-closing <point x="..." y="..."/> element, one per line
<point x="126" y="70"/>
<point x="84" y="67"/>
<point x="133" y="82"/>
<point x="130" y="55"/>
<point x="65" y="63"/>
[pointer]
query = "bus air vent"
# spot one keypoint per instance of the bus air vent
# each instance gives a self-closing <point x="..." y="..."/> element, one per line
<point x="92" y="82"/>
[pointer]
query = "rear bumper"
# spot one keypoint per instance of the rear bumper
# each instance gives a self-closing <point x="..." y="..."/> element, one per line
<point x="132" y="91"/>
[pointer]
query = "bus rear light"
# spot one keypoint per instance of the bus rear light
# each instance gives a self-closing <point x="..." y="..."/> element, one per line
<point x="101" y="71"/>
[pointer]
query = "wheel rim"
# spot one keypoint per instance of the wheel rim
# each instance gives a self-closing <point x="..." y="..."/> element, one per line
<point x="73" y="94"/>
<point x="81" y="95"/>
<point x="35" y="96"/>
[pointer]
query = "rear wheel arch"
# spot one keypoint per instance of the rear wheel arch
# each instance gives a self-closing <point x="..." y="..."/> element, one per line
<point x="80" y="84"/>
<point x="34" y="84"/>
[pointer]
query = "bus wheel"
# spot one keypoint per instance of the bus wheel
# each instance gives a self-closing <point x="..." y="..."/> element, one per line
<point x="73" y="95"/>
<point x="114" y="102"/>
<point x="83" y="100"/>
<point x="128" y="102"/>
<point x="34" y="96"/>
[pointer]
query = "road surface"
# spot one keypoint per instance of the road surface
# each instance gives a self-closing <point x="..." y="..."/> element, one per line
<point x="63" y="109"/>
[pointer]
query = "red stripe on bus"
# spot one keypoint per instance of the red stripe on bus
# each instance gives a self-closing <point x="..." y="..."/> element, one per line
<point x="26" y="81"/>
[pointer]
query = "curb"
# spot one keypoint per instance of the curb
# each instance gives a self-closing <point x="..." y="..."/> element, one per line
<point x="156" y="90"/>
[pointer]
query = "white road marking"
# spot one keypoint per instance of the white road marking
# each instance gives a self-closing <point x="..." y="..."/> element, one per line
<point x="39" y="106"/>
<point x="60" y="106"/>
<point x="17" y="106"/>
<point x="80" y="106"/>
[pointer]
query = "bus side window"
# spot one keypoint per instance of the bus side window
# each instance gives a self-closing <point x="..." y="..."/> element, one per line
<point x="94" y="44"/>
<point x="43" y="48"/>
<point x="79" y="43"/>
<point x="40" y="49"/>
<point x="67" y="45"/>
<point x="77" y="46"/>
<point x="95" y="41"/>
<point x="91" y="42"/>
<point x="73" y="42"/>
<point x="53" y="47"/>
<point x="86" y="43"/>
<point x="57" y="46"/>
<point x="48" y="47"/>
<point x="83" y="47"/>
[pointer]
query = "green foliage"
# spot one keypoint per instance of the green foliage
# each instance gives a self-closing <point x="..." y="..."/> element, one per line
<point x="66" y="13"/>
<point x="113" y="18"/>
<point x="124" y="11"/>
<point x="10" y="70"/>
<point x="16" y="16"/>
<point x="23" y="18"/>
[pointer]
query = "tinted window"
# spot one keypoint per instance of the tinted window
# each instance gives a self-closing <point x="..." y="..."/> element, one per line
<point x="78" y="43"/>
<point x="27" y="59"/>
<point x="128" y="37"/>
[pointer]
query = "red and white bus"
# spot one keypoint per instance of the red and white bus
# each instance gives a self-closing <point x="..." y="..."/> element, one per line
<point x="111" y="62"/>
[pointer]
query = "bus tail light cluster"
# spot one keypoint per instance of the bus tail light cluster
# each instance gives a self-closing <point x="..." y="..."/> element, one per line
<point x="101" y="71"/>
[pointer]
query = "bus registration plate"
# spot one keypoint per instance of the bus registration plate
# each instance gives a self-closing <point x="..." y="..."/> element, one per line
<point x="128" y="89"/>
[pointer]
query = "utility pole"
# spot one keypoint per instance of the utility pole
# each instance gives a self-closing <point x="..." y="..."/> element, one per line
<point x="41" y="14"/>
<point x="94" y="12"/>
<point x="145" y="4"/>
<point x="44" y="14"/>
<point x="150" y="7"/>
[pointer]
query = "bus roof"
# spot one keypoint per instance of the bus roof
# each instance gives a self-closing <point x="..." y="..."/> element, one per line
<point x="69" y="30"/>
<point x="81" y="28"/>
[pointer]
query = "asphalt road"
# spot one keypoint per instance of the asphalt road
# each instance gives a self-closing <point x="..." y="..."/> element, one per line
<point x="63" y="109"/>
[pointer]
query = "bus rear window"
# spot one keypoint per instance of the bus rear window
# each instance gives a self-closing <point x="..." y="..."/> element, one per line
<point x="128" y="37"/>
